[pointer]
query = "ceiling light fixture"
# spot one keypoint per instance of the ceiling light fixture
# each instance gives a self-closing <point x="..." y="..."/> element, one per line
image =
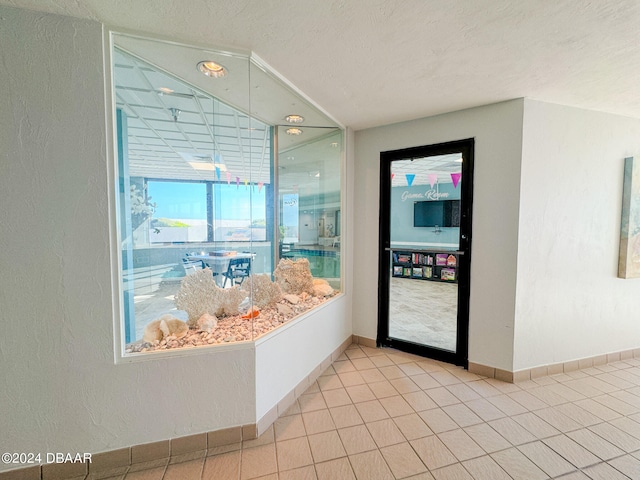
<point x="212" y="69"/>
<point x="294" y="131"/>
<point x="175" y="113"/>
<point x="167" y="91"/>
<point x="202" y="166"/>
<point x="294" y="118"/>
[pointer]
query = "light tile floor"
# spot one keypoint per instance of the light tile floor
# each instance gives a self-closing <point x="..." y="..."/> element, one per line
<point x="431" y="320"/>
<point x="382" y="414"/>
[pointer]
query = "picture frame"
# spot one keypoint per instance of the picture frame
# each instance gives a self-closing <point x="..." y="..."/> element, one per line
<point x="629" y="254"/>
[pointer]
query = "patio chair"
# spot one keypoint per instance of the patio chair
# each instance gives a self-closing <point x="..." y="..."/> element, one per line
<point x="190" y="265"/>
<point x="239" y="269"/>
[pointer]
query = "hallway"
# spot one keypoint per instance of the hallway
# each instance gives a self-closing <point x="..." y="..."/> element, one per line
<point x="381" y="414"/>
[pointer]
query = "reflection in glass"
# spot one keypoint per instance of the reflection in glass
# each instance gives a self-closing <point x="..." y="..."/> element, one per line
<point x="309" y="196"/>
<point x="179" y="212"/>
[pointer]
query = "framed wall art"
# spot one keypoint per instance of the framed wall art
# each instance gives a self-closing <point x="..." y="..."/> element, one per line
<point x="629" y="261"/>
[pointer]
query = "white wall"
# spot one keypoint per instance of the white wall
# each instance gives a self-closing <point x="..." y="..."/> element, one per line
<point x="60" y="390"/>
<point x="291" y="353"/>
<point x="497" y="130"/>
<point x="570" y="303"/>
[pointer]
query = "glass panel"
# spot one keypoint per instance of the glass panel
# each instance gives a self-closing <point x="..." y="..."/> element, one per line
<point x="239" y="213"/>
<point x="179" y="212"/>
<point x="197" y="209"/>
<point x="424" y="233"/>
<point x="184" y="159"/>
<point x="309" y="196"/>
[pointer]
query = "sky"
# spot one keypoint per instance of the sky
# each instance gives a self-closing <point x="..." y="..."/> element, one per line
<point x="187" y="201"/>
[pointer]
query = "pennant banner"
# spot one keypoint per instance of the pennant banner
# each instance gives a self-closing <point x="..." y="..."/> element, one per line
<point x="433" y="179"/>
<point x="218" y="172"/>
<point x="410" y="177"/>
<point x="246" y="182"/>
<point x="237" y="182"/>
<point x="455" y="178"/>
<point x="260" y="185"/>
<point x="228" y="178"/>
<point x="393" y="175"/>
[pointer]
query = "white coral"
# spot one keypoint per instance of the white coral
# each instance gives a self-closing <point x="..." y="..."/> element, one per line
<point x="198" y="294"/>
<point x="262" y="290"/>
<point x="294" y="276"/>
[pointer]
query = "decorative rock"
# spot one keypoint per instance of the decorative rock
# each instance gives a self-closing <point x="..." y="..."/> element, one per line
<point x="294" y="276"/>
<point x="165" y="326"/>
<point x="230" y="327"/>
<point x="284" y="309"/>
<point x="293" y="299"/>
<point x="207" y="323"/>
<point x="322" y="290"/>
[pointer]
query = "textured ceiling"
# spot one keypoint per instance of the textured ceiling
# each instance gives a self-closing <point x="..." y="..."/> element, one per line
<point x="375" y="62"/>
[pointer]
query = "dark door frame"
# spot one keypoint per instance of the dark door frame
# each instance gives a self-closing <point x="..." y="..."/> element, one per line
<point x="466" y="147"/>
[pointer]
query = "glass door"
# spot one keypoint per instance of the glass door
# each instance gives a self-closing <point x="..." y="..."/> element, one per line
<point x="425" y="238"/>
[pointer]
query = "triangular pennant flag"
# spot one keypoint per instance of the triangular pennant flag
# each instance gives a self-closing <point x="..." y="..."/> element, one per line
<point x="393" y="175"/>
<point x="455" y="178"/>
<point x="245" y="183"/>
<point x="218" y="172"/>
<point x="433" y="179"/>
<point x="228" y="178"/>
<point x="410" y="177"/>
<point x="260" y="185"/>
<point x="237" y="182"/>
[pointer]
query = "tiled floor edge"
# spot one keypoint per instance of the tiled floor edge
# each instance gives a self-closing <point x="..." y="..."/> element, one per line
<point x="174" y="450"/>
<point x="289" y="399"/>
<point x="552" y="369"/>
<point x="137" y="457"/>
<point x="364" y="341"/>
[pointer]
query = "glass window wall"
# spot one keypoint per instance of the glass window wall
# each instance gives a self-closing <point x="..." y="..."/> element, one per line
<point x="223" y="238"/>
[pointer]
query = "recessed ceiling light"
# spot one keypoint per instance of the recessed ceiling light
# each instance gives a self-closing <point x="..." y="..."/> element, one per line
<point x="165" y="90"/>
<point x="294" y="118"/>
<point x="212" y="69"/>
<point x="458" y="160"/>
<point x="334" y="145"/>
<point x="294" y="131"/>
